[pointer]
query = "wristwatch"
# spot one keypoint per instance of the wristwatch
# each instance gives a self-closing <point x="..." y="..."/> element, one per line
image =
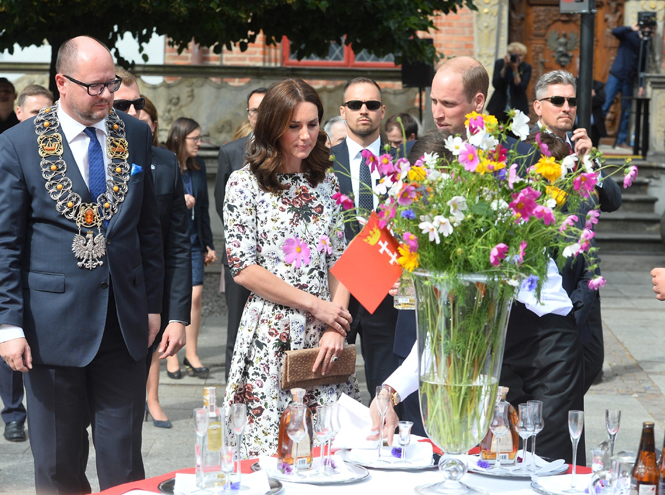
<point x="394" y="396"/>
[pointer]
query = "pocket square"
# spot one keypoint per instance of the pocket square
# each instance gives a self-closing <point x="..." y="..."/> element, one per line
<point x="136" y="169"/>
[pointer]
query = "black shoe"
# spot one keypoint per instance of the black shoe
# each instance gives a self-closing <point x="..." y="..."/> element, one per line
<point x="201" y="372"/>
<point x="157" y="423"/>
<point x="176" y="375"/>
<point x="15" y="431"/>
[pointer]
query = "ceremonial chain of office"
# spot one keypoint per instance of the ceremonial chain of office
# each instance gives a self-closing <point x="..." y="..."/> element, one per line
<point x="86" y="215"/>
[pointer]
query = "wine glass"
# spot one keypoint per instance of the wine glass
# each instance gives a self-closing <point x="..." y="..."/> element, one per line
<point x="201" y="422"/>
<point x="322" y="431"/>
<point x="382" y="401"/>
<point x="238" y="415"/>
<point x="524" y="429"/>
<point x="404" y="436"/>
<point x="296" y="429"/>
<point x="500" y="426"/>
<point x="575" y="427"/>
<point x="612" y="422"/>
<point x="335" y="426"/>
<point x="536" y="411"/>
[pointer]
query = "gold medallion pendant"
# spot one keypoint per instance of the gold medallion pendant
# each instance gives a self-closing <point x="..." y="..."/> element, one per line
<point x="89" y="249"/>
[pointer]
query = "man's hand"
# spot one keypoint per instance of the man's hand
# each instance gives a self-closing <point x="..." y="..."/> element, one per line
<point x="658" y="282"/>
<point x="173" y="340"/>
<point x="394" y="289"/>
<point x="391" y="422"/>
<point x="17" y="355"/>
<point x="582" y="142"/>
<point x="154" y="322"/>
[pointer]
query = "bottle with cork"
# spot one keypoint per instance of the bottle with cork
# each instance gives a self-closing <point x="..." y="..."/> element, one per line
<point x="508" y="444"/>
<point x="302" y="451"/>
<point x="646" y="476"/>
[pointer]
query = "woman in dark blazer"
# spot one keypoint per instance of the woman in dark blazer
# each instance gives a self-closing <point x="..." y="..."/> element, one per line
<point x="184" y="140"/>
<point x="511" y="80"/>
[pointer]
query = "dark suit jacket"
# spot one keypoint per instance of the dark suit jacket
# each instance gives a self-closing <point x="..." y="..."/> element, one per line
<point x="61" y="307"/>
<point x="202" y="204"/>
<point x="518" y="97"/>
<point x="597" y="102"/>
<point x="231" y="158"/>
<point x="177" y="302"/>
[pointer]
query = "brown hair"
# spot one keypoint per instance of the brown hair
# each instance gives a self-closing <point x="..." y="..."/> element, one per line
<point x="555" y="144"/>
<point x="475" y="78"/>
<point x="179" y="131"/>
<point x="274" y="117"/>
<point x="151" y="110"/>
<point x="433" y="141"/>
<point x="33" y="90"/>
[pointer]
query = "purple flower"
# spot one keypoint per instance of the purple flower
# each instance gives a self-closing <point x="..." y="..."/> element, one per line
<point x="500" y="174"/>
<point x="285" y="468"/>
<point x="483" y="464"/>
<point x="330" y="462"/>
<point x="235" y="485"/>
<point x="530" y="283"/>
<point x="408" y="214"/>
<point x="396" y="452"/>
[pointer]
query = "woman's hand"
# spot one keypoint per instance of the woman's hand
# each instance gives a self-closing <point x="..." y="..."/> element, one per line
<point x="210" y="257"/>
<point x="330" y="346"/>
<point x="333" y="314"/>
<point x="190" y="201"/>
<point x="394" y="289"/>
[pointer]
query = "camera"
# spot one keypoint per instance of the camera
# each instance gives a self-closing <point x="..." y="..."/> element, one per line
<point x="647" y="22"/>
<point x="513" y="57"/>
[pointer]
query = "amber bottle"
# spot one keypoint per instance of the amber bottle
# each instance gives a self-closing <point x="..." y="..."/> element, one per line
<point x="646" y="477"/>
<point x="489" y="446"/>
<point x="285" y="444"/>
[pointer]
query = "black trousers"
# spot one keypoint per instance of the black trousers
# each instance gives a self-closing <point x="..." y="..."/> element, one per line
<point x="236" y="298"/>
<point x="543" y="360"/>
<point x="109" y="393"/>
<point x="377" y="336"/>
<point x="11" y="393"/>
<point x="594" y="351"/>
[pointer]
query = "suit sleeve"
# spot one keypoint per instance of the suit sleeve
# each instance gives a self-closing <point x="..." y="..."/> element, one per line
<point x="525" y="78"/>
<point x="223" y="173"/>
<point x="177" y="255"/>
<point x="609" y="196"/>
<point x="150" y="236"/>
<point x="599" y="98"/>
<point x="203" y="203"/>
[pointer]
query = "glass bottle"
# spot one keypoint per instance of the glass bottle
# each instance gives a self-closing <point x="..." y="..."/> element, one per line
<point x="211" y="474"/>
<point x="645" y="477"/>
<point x="303" y="449"/>
<point x="661" y="464"/>
<point x="509" y="442"/>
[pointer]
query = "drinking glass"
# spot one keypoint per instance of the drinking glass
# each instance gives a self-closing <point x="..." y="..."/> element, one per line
<point x="612" y="422"/>
<point x="575" y="427"/>
<point x="536" y="411"/>
<point x="238" y="415"/>
<point x="201" y="422"/>
<point x="335" y="426"/>
<point x="296" y="429"/>
<point x="404" y="436"/>
<point x="382" y="401"/>
<point x="406" y="294"/>
<point x="524" y="429"/>
<point x="322" y="431"/>
<point x="228" y="453"/>
<point x="500" y="426"/>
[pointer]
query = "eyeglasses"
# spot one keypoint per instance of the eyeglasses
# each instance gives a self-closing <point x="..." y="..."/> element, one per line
<point x="96" y="89"/>
<point x="196" y="139"/>
<point x="123" y="105"/>
<point x="252" y="111"/>
<point x="558" y="101"/>
<point x="356" y="105"/>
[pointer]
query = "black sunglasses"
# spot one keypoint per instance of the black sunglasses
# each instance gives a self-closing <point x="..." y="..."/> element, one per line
<point x="123" y="105"/>
<point x="96" y="89"/>
<point x="356" y="105"/>
<point x="558" y="101"/>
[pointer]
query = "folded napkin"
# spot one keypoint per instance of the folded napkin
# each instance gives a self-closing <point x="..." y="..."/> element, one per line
<point x="269" y="465"/>
<point x="544" y="467"/>
<point x="356" y="425"/>
<point x="256" y="484"/>
<point x="559" y="484"/>
<point x="417" y="455"/>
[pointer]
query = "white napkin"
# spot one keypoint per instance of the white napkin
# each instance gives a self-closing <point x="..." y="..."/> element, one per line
<point x="257" y="484"/>
<point x="418" y="454"/>
<point x="559" y="484"/>
<point x="544" y="467"/>
<point x="269" y="465"/>
<point x="356" y="425"/>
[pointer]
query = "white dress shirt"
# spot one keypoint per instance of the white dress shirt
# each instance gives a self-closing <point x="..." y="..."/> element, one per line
<point x="355" y="157"/>
<point x="78" y="140"/>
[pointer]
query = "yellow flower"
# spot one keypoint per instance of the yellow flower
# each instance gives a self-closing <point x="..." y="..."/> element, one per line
<point x="409" y="261"/>
<point x="548" y="167"/>
<point x="557" y="194"/>
<point x="470" y="116"/>
<point x="491" y="124"/>
<point x="483" y="166"/>
<point x="417" y="174"/>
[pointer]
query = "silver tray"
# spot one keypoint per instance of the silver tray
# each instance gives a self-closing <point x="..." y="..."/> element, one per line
<point x="388" y="466"/>
<point x="360" y="473"/>
<point x="167" y="486"/>
<point x="515" y="474"/>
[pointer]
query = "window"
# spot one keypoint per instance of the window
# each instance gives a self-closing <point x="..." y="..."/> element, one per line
<point x="339" y="55"/>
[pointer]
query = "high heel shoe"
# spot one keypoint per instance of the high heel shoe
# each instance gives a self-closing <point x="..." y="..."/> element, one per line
<point x="156" y="422"/>
<point x="175" y="375"/>
<point x="201" y="372"/>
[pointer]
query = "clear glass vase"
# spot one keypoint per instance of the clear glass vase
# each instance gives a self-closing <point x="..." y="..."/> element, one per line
<point x="461" y="333"/>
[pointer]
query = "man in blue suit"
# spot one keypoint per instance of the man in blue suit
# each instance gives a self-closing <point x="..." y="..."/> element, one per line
<point x="82" y="273"/>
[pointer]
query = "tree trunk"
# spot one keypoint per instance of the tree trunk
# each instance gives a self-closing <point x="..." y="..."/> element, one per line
<point x="55" y="46"/>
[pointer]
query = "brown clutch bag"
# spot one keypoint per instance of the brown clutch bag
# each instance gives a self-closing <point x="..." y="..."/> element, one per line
<point x="297" y="371"/>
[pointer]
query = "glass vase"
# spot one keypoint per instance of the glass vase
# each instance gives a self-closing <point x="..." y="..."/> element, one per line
<point x="462" y="324"/>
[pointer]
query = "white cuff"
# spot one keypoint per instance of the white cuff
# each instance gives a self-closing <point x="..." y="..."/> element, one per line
<point x="405" y="378"/>
<point x="10" y="332"/>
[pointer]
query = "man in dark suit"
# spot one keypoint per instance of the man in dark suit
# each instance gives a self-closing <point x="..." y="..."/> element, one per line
<point x="232" y="158"/>
<point x="79" y="312"/>
<point x="363" y="111"/>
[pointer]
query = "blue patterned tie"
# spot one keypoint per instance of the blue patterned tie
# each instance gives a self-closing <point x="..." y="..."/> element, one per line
<point x="365" y="195"/>
<point x="96" y="175"/>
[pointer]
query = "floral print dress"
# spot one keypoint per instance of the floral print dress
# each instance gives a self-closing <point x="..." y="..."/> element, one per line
<point x="297" y="235"/>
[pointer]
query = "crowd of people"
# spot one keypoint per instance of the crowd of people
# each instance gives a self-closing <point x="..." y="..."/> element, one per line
<point x="119" y="255"/>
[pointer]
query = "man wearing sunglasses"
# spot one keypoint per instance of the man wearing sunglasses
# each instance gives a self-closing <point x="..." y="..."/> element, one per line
<point x="80" y="330"/>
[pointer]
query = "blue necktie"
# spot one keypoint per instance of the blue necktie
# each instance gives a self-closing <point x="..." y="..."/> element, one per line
<point x="96" y="175"/>
<point x="365" y="195"/>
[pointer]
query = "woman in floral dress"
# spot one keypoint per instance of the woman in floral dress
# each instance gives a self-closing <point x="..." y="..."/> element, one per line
<point x="283" y="234"/>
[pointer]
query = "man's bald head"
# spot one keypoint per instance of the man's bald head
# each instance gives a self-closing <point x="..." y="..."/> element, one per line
<point x="475" y="78"/>
<point x="72" y="50"/>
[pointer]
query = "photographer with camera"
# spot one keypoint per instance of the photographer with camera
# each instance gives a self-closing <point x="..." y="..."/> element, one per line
<point x="511" y="80"/>
<point x="632" y="40"/>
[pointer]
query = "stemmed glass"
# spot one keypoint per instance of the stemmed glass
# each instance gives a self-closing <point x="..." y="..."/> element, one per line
<point x="238" y="421"/>
<point x="524" y="429"/>
<point x="322" y="431"/>
<point x="536" y="411"/>
<point x="612" y="422"/>
<point x="499" y="426"/>
<point x="201" y="421"/>
<point x="404" y="436"/>
<point x="382" y="401"/>
<point x="296" y="429"/>
<point x="575" y="427"/>
<point x="335" y="426"/>
<point x="228" y="462"/>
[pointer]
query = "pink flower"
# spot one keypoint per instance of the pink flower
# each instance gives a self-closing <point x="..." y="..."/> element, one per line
<point x="591" y="219"/>
<point x="544" y="149"/>
<point x="406" y="195"/>
<point x="498" y="253"/>
<point x="596" y="283"/>
<point x="386" y="165"/>
<point x="386" y="212"/>
<point x="411" y="240"/>
<point x="520" y="256"/>
<point x="324" y="245"/>
<point x="500" y="153"/>
<point x="370" y="159"/>
<point x="476" y="124"/>
<point x="469" y="157"/>
<point x="296" y="251"/>
<point x="512" y="176"/>
<point x="585" y="183"/>
<point x="524" y="203"/>
<point x="568" y="222"/>
<point x="545" y="213"/>
<point x="629" y="176"/>
<point x="587" y="235"/>
<point x="342" y="199"/>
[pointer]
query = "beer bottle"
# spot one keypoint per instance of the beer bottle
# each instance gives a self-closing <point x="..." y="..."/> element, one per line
<point x="645" y="477"/>
<point x="661" y="488"/>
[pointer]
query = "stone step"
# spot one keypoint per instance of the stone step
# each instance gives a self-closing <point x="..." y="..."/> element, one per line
<point x="639" y="186"/>
<point x="628" y="222"/>
<point x="646" y="169"/>
<point x="613" y="243"/>
<point x="638" y="203"/>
